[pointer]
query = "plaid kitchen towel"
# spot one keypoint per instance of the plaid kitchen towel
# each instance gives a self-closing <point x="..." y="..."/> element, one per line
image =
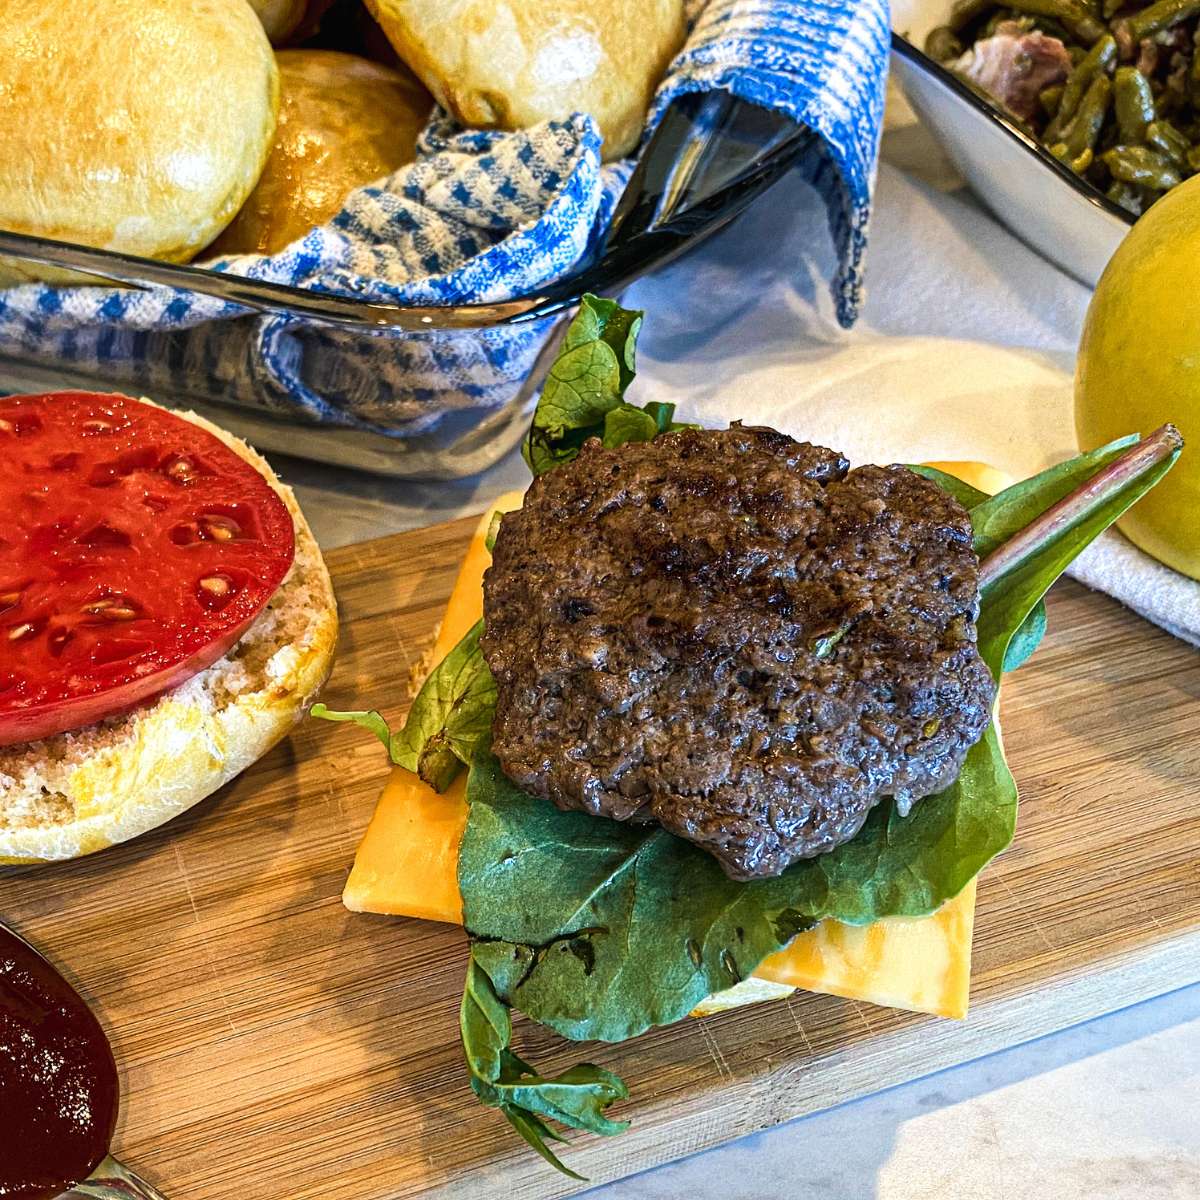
<point x="481" y="216"/>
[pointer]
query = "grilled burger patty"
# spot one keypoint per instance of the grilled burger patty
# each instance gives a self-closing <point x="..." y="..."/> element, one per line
<point x="732" y="634"/>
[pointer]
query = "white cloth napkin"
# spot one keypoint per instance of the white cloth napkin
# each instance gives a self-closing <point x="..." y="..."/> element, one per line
<point x="965" y="349"/>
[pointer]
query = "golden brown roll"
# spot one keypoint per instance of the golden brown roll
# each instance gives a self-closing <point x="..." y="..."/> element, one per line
<point x="343" y="122"/>
<point x="284" y="19"/>
<point x="508" y="64"/>
<point x="134" y="125"/>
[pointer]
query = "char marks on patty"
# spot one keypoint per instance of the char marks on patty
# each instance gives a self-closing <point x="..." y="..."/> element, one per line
<point x="732" y="634"/>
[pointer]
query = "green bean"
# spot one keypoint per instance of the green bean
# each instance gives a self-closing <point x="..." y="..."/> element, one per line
<point x="1165" y="102"/>
<point x="1158" y="17"/>
<point x="1072" y="13"/>
<point x="1127" y="116"/>
<point x="965" y="12"/>
<point x="1134" y="104"/>
<point x="1089" y="29"/>
<point x="942" y="44"/>
<point x="1078" y="164"/>
<point x="1085" y="126"/>
<point x="1164" y="137"/>
<point x="1050" y="98"/>
<point x="1127" y="196"/>
<point x="1141" y="166"/>
<point x="1051" y="28"/>
<point x="1101" y="56"/>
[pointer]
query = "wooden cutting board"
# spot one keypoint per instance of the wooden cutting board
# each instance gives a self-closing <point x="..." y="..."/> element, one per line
<point x="274" y="1045"/>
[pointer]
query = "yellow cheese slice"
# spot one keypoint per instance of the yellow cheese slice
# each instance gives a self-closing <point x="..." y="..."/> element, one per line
<point x="979" y="475"/>
<point x="407" y="864"/>
<point x="922" y="963"/>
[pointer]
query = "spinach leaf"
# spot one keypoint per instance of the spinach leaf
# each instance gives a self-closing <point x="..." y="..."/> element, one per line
<point x="596" y="364"/>
<point x="450" y="719"/>
<point x="962" y="491"/>
<point x="493" y="531"/>
<point x="628" y="424"/>
<point x="584" y="392"/>
<point x="368" y="719"/>
<point x="601" y="929"/>
<point x="995" y="519"/>
<point x="1026" y="640"/>
<point x="1031" y="631"/>
<point x="577" y="1098"/>
<point x="1030" y="533"/>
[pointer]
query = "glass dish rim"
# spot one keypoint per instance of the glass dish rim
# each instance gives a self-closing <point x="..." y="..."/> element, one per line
<point x="112" y="268"/>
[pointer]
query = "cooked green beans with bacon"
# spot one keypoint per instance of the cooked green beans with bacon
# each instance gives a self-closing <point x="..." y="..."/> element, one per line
<point x="1111" y="89"/>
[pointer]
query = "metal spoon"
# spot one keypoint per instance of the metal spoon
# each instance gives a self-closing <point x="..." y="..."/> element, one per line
<point x="112" y="1180"/>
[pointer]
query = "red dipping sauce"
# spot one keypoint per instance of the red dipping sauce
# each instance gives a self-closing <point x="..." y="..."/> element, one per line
<point x="58" y="1080"/>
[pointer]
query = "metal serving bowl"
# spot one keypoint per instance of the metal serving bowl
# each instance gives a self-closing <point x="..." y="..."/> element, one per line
<point x="1042" y="201"/>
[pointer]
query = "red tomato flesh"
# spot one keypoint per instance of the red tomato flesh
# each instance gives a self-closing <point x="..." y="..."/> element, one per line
<point x="135" y="549"/>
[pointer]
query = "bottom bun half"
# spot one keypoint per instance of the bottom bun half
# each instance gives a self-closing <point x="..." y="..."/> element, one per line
<point x="82" y="791"/>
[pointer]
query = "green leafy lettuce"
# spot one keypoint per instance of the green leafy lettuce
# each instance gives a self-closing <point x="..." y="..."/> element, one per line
<point x="997" y="520"/>
<point x="584" y="393"/>
<point x="577" y="1098"/>
<point x="1025" y="641"/>
<point x="600" y="929"/>
<point x="450" y="719"/>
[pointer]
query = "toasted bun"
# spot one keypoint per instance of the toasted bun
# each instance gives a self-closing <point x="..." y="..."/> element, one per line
<point x="76" y="793"/>
<point x="344" y="121"/>
<point x="509" y="64"/>
<point x="133" y="125"/>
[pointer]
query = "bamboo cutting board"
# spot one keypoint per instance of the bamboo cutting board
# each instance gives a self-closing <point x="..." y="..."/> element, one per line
<point x="275" y="1046"/>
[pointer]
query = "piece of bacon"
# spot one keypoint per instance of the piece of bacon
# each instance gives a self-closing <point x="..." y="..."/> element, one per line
<point x="1014" y="65"/>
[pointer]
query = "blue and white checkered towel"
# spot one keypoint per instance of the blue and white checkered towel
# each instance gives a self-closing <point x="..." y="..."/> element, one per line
<point x="479" y="216"/>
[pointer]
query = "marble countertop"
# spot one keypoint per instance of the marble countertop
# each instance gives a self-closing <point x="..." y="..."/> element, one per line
<point x="1108" y="1110"/>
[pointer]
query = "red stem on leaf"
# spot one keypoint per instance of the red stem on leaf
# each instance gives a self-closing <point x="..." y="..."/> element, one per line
<point x="1102" y="486"/>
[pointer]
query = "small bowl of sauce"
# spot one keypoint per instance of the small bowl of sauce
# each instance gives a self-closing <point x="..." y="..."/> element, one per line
<point x="59" y="1090"/>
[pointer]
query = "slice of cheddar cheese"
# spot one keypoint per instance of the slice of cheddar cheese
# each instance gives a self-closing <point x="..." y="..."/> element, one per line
<point x="407" y="865"/>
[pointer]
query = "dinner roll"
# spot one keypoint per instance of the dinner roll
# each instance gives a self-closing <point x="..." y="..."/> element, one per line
<point x="283" y="19"/>
<point x="79" y="792"/>
<point x="343" y="122"/>
<point x="509" y="64"/>
<point x="133" y="125"/>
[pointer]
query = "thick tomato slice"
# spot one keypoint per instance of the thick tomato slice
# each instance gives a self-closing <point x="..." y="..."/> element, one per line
<point x="135" y="549"/>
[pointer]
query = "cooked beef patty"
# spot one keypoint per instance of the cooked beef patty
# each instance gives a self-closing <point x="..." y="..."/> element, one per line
<point x="728" y="632"/>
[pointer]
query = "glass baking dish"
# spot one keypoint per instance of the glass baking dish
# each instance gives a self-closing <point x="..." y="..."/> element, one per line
<point x="221" y="375"/>
<point x="480" y="365"/>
